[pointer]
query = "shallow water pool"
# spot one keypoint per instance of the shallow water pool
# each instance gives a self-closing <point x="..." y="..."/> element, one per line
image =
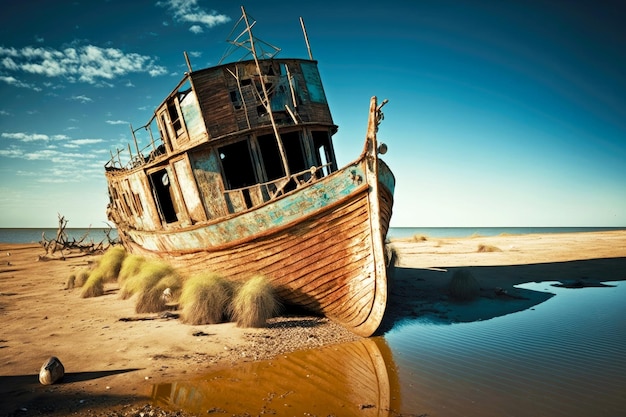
<point x="563" y="357"/>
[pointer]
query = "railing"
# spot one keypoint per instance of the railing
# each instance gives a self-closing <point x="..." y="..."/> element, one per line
<point x="124" y="158"/>
<point x="247" y="197"/>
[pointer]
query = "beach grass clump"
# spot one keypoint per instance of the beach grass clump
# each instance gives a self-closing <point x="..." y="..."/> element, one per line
<point x="71" y="282"/>
<point x="204" y="299"/>
<point x="106" y="270"/>
<point x="110" y="263"/>
<point x="146" y="277"/>
<point x="488" y="248"/>
<point x="94" y="286"/>
<point x="81" y="278"/>
<point x="130" y="267"/>
<point x="157" y="293"/>
<point x="463" y="286"/>
<point x="255" y="302"/>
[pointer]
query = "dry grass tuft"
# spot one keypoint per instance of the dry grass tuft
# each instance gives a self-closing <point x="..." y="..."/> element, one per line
<point x="110" y="263"/>
<point x="145" y="275"/>
<point x="71" y="282"/>
<point x="463" y="286"/>
<point x="148" y="279"/>
<point x="204" y="299"/>
<point x="153" y="299"/>
<point x="106" y="270"/>
<point x="130" y="267"/>
<point x="94" y="286"/>
<point x="255" y="303"/>
<point x="81" y="278"/>
<point x="488" y="248"/>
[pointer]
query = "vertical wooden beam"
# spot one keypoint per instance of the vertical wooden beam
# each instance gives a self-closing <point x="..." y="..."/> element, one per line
<point x="306" y="38"/>
<point x="265" y="100"/>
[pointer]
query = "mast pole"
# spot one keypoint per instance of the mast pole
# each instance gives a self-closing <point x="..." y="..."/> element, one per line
<point x="135" y="140"/>
<point x="187" y="61"/>
<point x="306" y="39"/>
<point x="266" y="102"/>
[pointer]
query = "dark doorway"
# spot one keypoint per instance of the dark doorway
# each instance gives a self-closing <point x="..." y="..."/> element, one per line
<point x="162" y="189"/>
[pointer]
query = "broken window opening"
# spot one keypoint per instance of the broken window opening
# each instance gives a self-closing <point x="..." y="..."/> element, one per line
<point x="137" y="204"/>
<point x="272" y="162"/>
<point x="162" y="190"/>
<point x="174" y="117"/>
<point x="247" y="199"/>
<point x="164" y="132"/>
<point x="324" y="152"/>
<point x="235" y="98"/>
<point x="125" y="205"/>
<point x="294" y="151"/>
<point x="237" y="165"/>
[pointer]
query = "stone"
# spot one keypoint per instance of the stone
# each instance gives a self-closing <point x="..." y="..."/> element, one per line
<point x="51" y="371"/>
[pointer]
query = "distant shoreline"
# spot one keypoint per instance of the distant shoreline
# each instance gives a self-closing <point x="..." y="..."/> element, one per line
<point x="463" y="232"/>
<point x="33" y="234"/>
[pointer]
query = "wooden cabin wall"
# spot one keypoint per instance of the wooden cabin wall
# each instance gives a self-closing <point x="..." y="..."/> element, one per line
<point x="188" y="190"/>
<point x="207" y="172"/>
<point x="139" y="184"/>
<point x="229" y="106"/>
<point x="215" y="103"/>
<point x="134" y="205"/>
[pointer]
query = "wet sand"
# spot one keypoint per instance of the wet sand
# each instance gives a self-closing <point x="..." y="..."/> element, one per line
<point x="113" y="357"/>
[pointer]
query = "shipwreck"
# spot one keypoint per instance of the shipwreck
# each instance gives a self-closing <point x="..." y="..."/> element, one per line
<point x="239" y="177"/>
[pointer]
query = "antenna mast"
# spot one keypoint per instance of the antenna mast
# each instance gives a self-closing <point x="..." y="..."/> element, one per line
<point x="265" y="99"/>
<point x="306" y="39"/>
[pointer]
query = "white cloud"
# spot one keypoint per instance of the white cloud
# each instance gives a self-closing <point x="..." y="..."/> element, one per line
<point x="117" y="122"/>
<point x="87" y="63"/>
<point x="26" y="137"/>
<point x="12" y="153"/>
<point x="75" y="143"/>
<point x="17" y="83"/>
<point x="42" y="154"/>
<point x="82" y="99"/>
<point x="188" y="11"/>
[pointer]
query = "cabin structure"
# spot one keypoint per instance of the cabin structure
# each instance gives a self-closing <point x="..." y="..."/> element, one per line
<point x="219" y="150"/>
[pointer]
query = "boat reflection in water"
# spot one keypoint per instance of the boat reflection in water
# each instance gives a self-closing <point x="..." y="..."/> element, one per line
<point x="350" y="379"/>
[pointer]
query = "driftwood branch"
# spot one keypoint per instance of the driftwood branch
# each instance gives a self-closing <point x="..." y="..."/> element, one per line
<point x="63" y="243"/>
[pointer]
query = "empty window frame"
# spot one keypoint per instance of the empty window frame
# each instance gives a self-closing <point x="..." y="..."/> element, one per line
<point x="163" y="195"/>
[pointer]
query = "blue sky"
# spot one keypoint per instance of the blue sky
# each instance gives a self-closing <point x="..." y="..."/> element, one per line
<point x="500" y="113"/>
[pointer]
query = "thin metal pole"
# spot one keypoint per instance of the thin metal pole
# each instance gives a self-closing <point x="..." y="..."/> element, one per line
<point x="266" y="103"/>
<point x="136" y="144"/>
<point x="306" y="39"/>
<point x="187" y="61"/>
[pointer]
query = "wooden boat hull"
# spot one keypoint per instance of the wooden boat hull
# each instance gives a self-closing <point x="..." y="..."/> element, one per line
<point x="328" y="256"/>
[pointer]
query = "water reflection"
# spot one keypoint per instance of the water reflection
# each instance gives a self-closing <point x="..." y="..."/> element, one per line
<point x="554" y="351"/>
<point x="351" y="379"/>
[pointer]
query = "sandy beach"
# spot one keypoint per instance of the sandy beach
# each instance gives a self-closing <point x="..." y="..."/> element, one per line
<point x="113" y="356"/>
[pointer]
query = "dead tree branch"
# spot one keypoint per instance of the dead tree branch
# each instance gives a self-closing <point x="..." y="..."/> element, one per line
<point x="63" y="243"/>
